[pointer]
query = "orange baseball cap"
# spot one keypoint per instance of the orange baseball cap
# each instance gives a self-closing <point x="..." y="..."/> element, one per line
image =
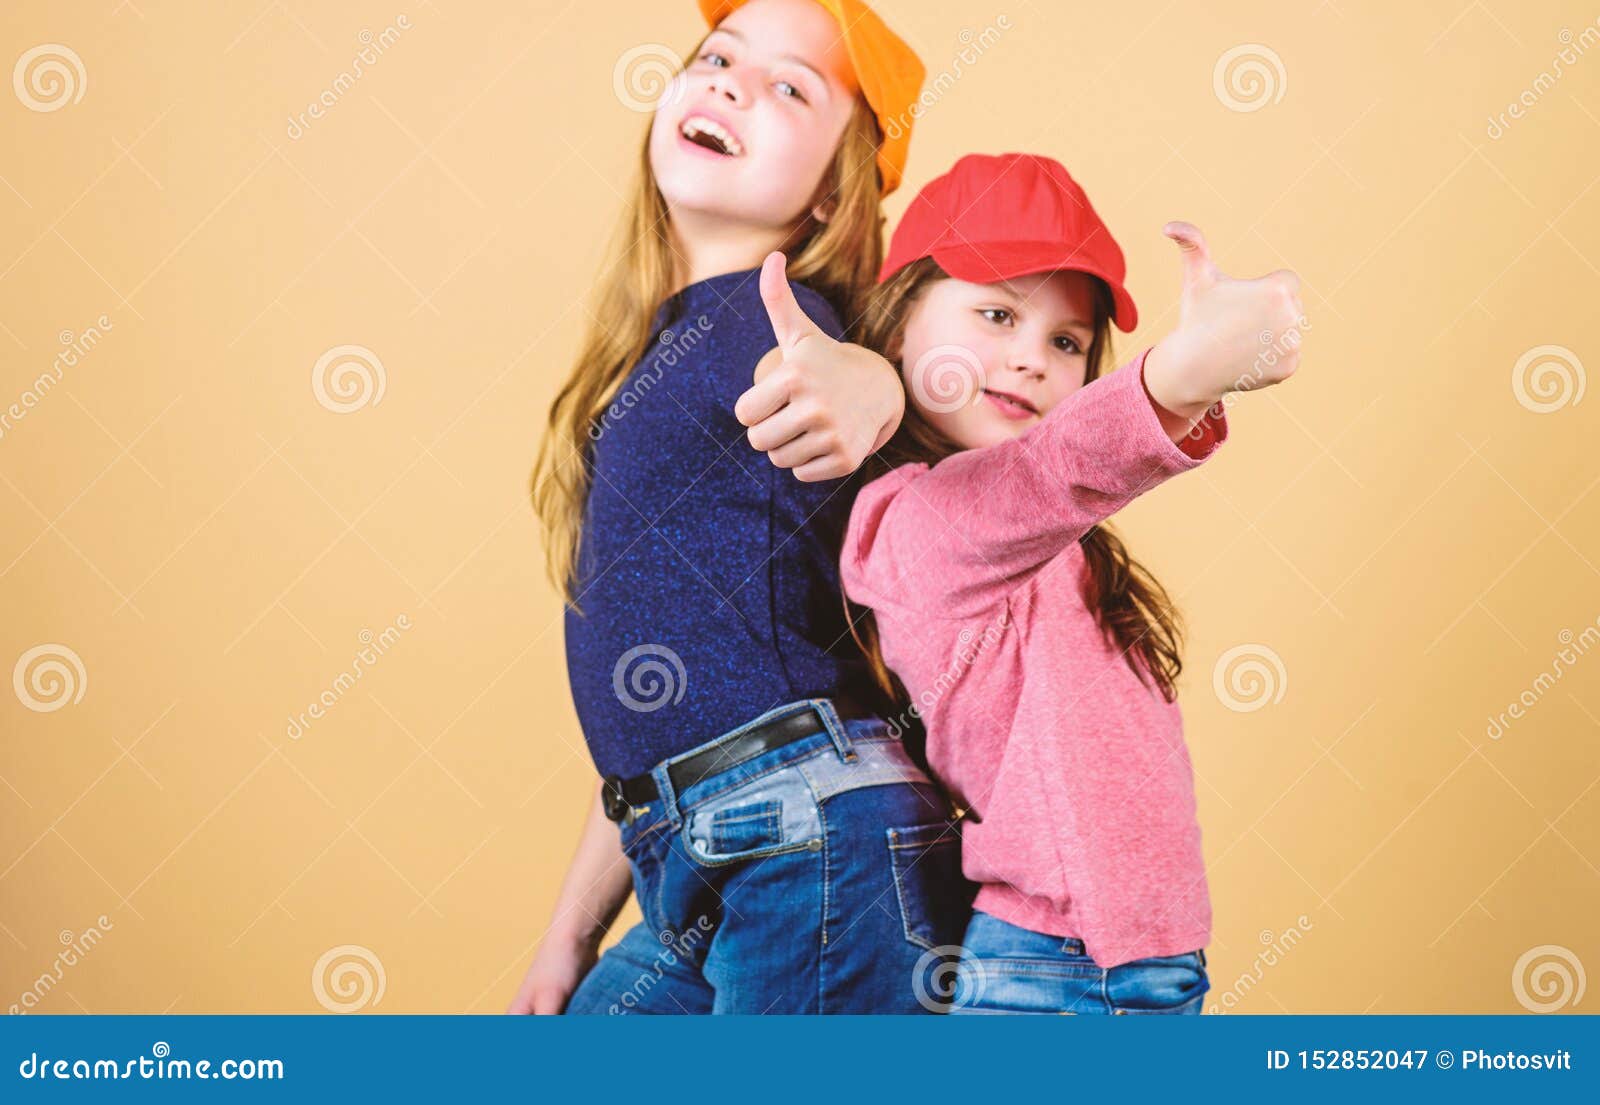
<point x="889" y="72"/>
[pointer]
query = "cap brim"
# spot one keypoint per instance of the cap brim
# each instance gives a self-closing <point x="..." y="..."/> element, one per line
<point x="1008" y="260"/>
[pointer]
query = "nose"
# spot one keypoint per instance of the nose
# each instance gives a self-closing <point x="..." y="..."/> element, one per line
<point x="726" y="84"/>
<point x="1027" y="357"/>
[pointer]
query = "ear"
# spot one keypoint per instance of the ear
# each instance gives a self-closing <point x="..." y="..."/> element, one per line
<point x="822" y="212"/>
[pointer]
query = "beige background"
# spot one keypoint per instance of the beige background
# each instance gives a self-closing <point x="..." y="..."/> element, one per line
<point x="1394" y="528"/>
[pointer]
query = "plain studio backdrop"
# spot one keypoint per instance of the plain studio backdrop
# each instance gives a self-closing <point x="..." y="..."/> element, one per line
<point x="273" y="381"/>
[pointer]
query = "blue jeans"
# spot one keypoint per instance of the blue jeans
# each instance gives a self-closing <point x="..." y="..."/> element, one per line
<point x="820" y="877"/>
<point x="1007" y="969"/>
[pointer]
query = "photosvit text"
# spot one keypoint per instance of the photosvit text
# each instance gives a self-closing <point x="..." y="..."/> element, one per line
<point x="1415" y="1059"/>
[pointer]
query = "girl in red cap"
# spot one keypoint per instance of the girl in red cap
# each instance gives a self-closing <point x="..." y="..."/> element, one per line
<point x="1040" y="656"/>
<point x="787" y="855"/>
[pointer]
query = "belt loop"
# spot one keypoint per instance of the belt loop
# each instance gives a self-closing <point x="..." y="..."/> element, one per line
<point x="669" y="797"/>
<point x="835" y="728"/>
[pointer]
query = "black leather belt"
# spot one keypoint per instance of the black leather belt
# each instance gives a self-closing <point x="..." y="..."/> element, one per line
<point x="619" y="794"/>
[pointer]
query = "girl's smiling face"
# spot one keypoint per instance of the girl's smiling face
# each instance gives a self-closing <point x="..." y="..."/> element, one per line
<point x="983" y="363"/>
<point x="746" y="132"/>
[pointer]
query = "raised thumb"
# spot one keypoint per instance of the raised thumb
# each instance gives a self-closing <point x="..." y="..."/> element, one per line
<point x="790" y="323"/>
<point x="1198" y="268"/>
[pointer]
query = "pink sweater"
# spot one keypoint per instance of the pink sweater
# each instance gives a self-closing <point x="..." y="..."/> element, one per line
<point x="1075" y="773"/>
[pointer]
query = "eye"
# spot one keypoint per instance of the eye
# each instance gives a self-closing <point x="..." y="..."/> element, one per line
<point x="715" y="60"/>
<point x="998" y="315"/>
<point x="786" y="89"/>
<point x="1068" y="344"/>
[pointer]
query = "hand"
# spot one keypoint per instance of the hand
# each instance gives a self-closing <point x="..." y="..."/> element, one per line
<point x="819" y="406"/>
<point x="558" y="966"/>
<point x="1227" y="328"/>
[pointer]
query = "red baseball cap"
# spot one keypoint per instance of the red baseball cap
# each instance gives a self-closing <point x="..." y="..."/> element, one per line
<point x="995" y="217"/>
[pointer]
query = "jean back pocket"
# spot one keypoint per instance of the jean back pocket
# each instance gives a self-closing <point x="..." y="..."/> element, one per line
<point x="934" y="897"/>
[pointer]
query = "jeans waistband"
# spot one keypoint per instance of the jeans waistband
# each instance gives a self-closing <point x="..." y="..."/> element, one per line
<point x="831" y="730"/>
<point x="843" y="741"/>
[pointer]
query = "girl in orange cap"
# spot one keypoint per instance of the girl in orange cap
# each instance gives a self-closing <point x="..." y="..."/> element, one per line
<point x="786" y="853"/>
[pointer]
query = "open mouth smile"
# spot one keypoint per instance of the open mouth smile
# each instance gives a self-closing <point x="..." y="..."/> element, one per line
<point x="710" y="134"/>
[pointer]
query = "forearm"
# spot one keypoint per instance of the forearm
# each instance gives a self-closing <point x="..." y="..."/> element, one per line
<point x="981" y="519"/>
<point x="1095" y="451"/>
<point x="597" y="882"/>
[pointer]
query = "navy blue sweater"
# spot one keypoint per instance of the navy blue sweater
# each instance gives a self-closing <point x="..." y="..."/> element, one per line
<point x="707" y="577"/>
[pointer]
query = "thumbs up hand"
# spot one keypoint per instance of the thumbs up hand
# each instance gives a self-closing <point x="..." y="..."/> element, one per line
<point x="790" y="323"/>
<point x="818" y="406"/>
<point x="1234" y="335"/>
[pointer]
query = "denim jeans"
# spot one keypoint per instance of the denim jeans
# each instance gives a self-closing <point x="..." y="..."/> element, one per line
<point x="1006" y="969"/>
<point x="820" y="877"/>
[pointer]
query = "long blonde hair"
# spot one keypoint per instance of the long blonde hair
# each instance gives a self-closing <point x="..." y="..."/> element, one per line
<point x="1134" y="612"/>
<point x="837" y="257"/>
